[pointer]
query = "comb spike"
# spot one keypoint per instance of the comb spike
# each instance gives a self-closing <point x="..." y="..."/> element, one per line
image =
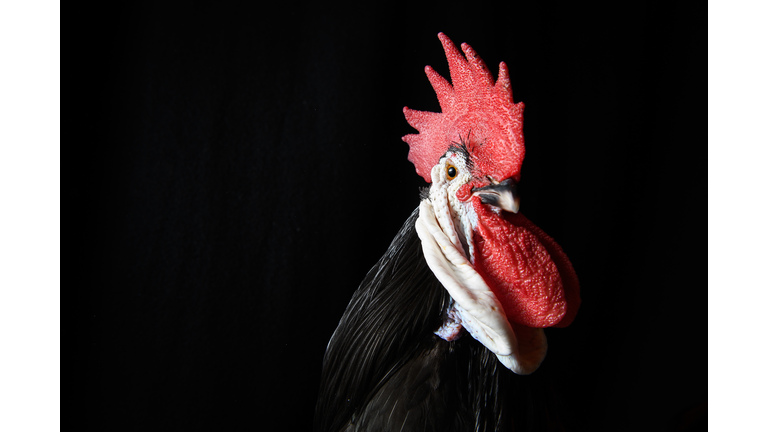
<point x="503" y="85"/>
<point x="422" y="153"/>
<point x="479" y="68"/>
<point x="457" y="65"/>
<point x="419" y="119"/>
<point x="443" y="89"/>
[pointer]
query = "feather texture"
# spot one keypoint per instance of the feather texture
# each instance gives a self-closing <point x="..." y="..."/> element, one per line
<point x="384" y="369"/>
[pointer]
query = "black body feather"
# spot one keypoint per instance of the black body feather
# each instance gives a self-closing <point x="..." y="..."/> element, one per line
<point x="384" y="369"/>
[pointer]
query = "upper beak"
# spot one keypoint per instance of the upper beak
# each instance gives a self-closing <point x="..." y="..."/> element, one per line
<point x="503" y="195"/>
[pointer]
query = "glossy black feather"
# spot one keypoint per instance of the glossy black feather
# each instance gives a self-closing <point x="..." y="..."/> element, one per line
<point x="384" y="369"/>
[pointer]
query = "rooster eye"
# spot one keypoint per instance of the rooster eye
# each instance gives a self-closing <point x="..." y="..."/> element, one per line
<point x="451" y="171"/>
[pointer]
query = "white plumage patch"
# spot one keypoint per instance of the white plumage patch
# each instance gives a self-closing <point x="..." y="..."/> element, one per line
<point x="457" y="218"/>
<point x="446" y="226"/>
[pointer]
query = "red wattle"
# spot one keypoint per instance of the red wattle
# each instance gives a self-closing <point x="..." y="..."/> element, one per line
<point x="563" y="264"/>
<point x="525" y="268"/>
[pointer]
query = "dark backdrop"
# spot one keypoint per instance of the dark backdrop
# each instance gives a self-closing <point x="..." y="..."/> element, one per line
<point x="243" y="169"/>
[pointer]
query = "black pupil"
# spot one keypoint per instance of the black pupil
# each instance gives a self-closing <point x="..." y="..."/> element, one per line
<point x="451" y="172"/>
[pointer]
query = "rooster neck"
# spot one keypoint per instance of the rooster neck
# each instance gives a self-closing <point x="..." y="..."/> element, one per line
<point x="384" y="350"/>
<point x="389" y="319"/>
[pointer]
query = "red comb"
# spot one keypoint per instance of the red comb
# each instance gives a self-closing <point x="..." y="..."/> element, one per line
<point x="475" y="111"/>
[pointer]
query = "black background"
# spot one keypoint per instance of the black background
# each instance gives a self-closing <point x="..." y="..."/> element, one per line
<point x="242" y="169"/>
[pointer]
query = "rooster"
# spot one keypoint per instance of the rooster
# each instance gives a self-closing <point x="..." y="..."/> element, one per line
<point x="465" y="262"/>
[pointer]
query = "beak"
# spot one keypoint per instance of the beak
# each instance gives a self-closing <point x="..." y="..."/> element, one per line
<point x="503" y="195"/>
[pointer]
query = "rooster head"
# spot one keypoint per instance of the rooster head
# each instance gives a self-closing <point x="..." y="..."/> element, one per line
<point x="472" y="153"/>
